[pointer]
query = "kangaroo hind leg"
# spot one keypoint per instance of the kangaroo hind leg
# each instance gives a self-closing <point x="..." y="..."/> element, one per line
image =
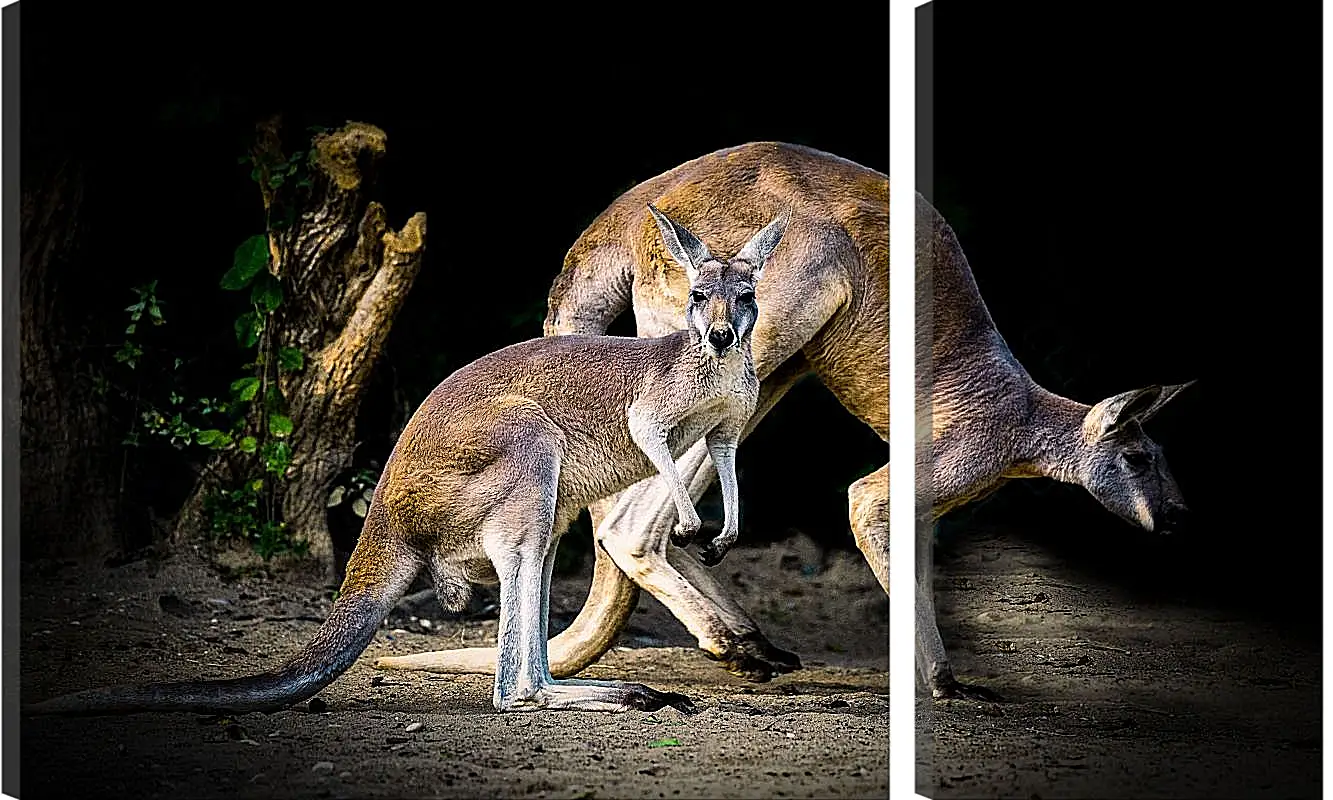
<point x="868" y="509"/>
<point x="520" y="538"/>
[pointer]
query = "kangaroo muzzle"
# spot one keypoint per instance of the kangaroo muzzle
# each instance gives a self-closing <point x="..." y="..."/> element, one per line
<point x="1172" y="519"/>
<point x="720" y="339"/>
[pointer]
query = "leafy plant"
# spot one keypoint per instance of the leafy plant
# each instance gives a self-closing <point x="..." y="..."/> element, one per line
<point x="252" y="418"/>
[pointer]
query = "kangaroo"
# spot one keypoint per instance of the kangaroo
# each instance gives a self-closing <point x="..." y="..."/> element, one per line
<point x="607" y="270"/>
<point x="493" y="467"/>
<point x="991" y="423"/>
<point x="826" y="312"/>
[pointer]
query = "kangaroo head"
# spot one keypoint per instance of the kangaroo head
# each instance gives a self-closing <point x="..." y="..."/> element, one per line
<point x="1124" y="469"/>
<point x="721" y="309"/>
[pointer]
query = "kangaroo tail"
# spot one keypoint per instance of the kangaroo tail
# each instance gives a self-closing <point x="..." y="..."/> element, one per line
<point x="379" y="572"/>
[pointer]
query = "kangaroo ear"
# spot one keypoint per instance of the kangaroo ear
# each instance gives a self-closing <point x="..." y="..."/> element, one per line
<point x="762" y="244"/>
<point x="685" y="247"/>
<point x="1163" y="397"/>
<point x="1113" y="412"/>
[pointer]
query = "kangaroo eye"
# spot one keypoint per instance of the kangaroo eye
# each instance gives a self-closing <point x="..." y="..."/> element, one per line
<point x="1137" y="459"/>
<point x="745" y="297"/>
<point x="698" y="297"/>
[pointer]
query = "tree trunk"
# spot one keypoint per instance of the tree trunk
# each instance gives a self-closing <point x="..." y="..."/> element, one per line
<point x="344" y="275"/>
<point x="66" y="473"/>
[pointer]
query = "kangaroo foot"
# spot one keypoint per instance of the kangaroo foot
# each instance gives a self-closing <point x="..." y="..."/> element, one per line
<point x="747" y="659"/>
<point x="643" y="698"/>
<point x="758" y="645"/>
<point x="954" y="690"/>
<point x="590" y="695"/>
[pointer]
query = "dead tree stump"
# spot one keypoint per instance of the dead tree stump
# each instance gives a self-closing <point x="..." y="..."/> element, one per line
<point x="344" y="276"/>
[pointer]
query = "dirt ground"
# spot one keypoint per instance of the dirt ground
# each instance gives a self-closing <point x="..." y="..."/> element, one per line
<point x="819" y="732"/>
<point x="1110" y="693"/>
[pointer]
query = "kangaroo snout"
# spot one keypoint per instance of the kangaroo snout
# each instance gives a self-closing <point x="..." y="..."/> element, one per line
<point x="721" y="338"/>
<point x="1172" y="519"/>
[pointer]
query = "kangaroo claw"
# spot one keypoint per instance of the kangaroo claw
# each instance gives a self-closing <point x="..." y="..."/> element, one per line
<point x="680" y="538"/>
<point x="643" y="698"/>
<point x="710" y="555"/>
<point x="682" y="535"/>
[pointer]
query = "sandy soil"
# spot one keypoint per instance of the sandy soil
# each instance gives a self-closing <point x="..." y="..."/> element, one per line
<point x="1110" y="693"/>
<point x="818" y="732"/>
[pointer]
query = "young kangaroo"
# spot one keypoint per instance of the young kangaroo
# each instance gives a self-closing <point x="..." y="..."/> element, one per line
<point x="494" y="466"/>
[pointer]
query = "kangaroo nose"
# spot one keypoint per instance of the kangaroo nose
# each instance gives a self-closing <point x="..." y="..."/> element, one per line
<point x="1174" y="519"/>
<point x="721" y="339"/>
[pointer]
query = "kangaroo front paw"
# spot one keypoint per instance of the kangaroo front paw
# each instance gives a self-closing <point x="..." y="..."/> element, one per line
<point x="686" y="529"/>
<point x="642" y="698"/>
<point x="681" y="536"/>
<point x="711" y="554"/>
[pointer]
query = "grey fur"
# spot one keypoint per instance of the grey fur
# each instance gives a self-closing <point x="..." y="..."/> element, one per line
<point x="991" y="423"/>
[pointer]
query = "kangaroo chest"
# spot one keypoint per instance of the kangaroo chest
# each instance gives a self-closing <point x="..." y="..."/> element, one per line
<point x="731" y="399"/>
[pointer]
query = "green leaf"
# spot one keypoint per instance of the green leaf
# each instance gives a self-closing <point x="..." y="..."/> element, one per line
<point x="130" y="329"/>
<point x="266" y="294"/>
<point x="277" y="457"/>
<point x="290" y="359"/>
<point x="248" y="327"/>
<point x="275" y="179"/>
<point x="250" y="258"/>
<point x="245" y="389"/>
<point x="279" y="426"/>
<point x="359" y="507"/>
<point x="673" y="742"/>
<point x="248" y="444"/>
<point x="208" y="437"/>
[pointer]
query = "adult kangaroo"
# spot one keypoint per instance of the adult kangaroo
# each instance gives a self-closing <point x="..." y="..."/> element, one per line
<point x="991" y="423"/>
<point x="496" y="463"/>
<point x="825" y="299"/>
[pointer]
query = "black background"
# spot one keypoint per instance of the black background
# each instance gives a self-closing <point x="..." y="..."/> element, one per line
<point x="1138" y="194"/>
<point x="512" y="135"/>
